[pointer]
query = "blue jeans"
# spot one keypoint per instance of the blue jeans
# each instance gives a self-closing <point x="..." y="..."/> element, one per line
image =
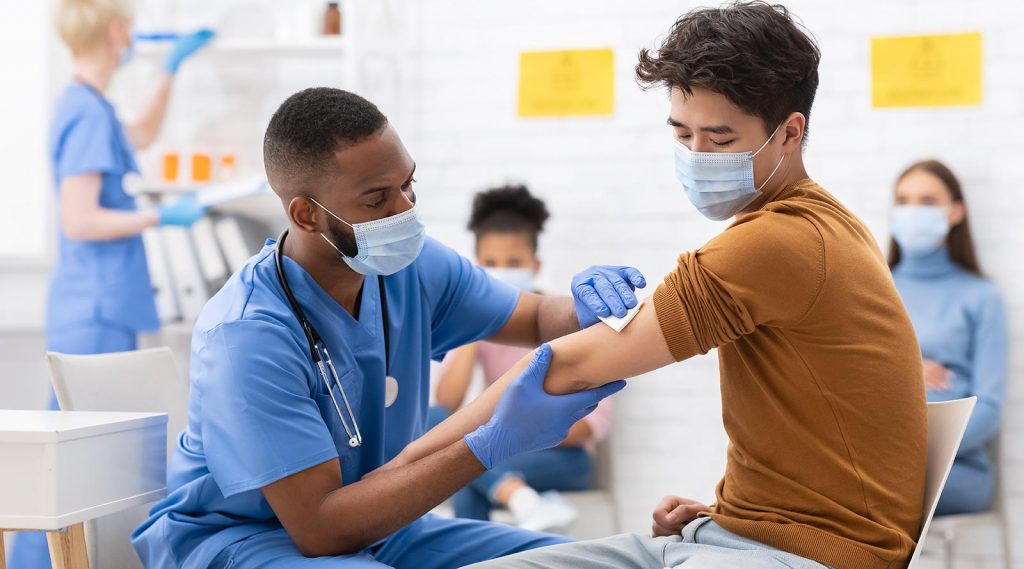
<point x="565" y="469"/>
<point x="968" y="489"/>
<point x="29" y="549"/>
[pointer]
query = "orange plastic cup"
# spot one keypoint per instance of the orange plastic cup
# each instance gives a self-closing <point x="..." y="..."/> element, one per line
<point x="172" y="163"/>
<point x="201" y="168"/>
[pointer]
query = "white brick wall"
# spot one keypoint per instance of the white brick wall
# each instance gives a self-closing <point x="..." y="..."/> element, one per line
<point x="610" y="186"/>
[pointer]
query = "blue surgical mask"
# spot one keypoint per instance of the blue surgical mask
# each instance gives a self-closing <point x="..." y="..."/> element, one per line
<point x="720" y="184"/>
<point x="127" y="55"/>
<point x="919" y="229"/>
<point x="520" y="278"/>
<point x="384" y="246"/>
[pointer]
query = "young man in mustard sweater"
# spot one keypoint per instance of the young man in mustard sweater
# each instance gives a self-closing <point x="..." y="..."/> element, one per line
<point x="821" y="377"/>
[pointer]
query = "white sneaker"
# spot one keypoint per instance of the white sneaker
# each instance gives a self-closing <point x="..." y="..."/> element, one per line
<point x="551" y="512"/>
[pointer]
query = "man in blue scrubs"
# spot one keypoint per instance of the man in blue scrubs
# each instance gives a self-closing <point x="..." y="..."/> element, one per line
<point x="272" y="468"/>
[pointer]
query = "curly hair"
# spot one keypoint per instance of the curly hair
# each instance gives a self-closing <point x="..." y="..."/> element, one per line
<point x="508" y="209"/>
<point x="753" y="53"/>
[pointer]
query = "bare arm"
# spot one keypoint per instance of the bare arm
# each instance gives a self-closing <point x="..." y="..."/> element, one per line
<point x="579" y="434"/>
<point x="82" y="217"/>
<point x="599" y="355"/>
<point x="144" y="130"/>
<point x="454" y="380"/>
<point x="538" y="319"/>
<point x="317" y="511"/>
<point x="586" y="359"/>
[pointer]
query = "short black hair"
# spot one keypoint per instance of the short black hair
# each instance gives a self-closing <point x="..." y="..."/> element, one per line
<point x="508" y="209"/>
<point x="313" y="124"/>
<point x="753" y="53"/>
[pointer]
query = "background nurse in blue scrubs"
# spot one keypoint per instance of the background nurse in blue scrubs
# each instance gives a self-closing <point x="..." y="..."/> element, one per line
<point x="100" y="293"/>
<point x="271" y="471"/>
<point x="959" y="318"/>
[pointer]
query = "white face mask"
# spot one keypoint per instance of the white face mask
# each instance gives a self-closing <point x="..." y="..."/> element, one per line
<point x="720" y="184"/>
<point x="383" y="246"/>
<point x="520" y="278"/>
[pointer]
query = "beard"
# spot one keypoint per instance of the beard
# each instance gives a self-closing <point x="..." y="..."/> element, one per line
<point x="343" y="239"/>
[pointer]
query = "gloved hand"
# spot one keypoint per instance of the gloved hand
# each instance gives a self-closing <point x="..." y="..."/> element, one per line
<point x="183" y="213"/>
<point x="605" y="290"/>
<point x="528" y="419"/>
<point x="185" y="47"/>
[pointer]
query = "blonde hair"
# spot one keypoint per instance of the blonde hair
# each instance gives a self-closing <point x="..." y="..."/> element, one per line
<point x="83" y="24"/>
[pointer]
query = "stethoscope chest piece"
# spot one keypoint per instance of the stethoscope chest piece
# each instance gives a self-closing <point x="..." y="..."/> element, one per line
<point x="390" y="391"/>
<point x="353" y="442"/>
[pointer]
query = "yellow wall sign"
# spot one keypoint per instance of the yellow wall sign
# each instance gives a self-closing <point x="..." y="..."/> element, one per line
<point x="926" y="71"/>
<point x="566" y="83"/>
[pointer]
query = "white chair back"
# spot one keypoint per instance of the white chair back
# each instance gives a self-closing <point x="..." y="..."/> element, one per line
<point x="139" y="381"/>
<point x="947" y="421"/>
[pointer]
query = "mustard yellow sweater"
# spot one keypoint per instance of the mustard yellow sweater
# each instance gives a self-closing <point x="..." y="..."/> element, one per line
<point x="822" y="386"/>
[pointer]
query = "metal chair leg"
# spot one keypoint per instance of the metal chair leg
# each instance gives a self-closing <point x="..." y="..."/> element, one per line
<point x="949" y="548"/>
<point x="1004" y="529"/>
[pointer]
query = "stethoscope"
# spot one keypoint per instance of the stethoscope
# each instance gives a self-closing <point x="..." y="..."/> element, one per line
<point x="322" y="357"/>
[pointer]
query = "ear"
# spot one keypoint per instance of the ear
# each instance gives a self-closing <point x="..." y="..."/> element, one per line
<point x="536" y="265"/>
<point x="304" y="215"/>
<point x="119" y="32"/>
<point x="114" y="33"/>
<point x="792" y="130"/>
<point x="957" y="214"/>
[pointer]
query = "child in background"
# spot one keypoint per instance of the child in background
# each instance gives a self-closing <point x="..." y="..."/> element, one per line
<point x="958" y="315"/>
<point x="506" y="222"/>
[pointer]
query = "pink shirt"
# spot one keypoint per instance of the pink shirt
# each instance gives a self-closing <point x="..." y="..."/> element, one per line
<point x="496" y="359"/>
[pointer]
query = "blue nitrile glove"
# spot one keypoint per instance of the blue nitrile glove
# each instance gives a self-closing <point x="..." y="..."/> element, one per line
<point x="185" y="47"/>
<point x="605" y="290"/>
<point x="527" y="418"/>
<point x="183" y="212"/>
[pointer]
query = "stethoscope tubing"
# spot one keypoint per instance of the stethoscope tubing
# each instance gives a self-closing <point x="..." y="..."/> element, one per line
<point x="317" y="345"/>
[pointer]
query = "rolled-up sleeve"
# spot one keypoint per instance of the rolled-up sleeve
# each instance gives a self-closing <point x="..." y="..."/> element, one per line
<point x="766" y="270"/>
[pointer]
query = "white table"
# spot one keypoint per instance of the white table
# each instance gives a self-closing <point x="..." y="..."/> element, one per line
<point x="59" y="469"/>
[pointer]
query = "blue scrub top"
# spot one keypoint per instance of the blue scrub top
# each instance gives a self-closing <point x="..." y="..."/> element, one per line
<point x="258" y="409"/>
<point x="97" y="281"/>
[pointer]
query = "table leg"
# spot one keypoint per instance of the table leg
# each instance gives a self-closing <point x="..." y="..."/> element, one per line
<point x="67" y="548"/>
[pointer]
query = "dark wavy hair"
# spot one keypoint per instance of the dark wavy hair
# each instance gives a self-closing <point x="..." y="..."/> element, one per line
<point x="959" y="240"/>
<point x="508" y="209"/>
<point x="753" y="53"/>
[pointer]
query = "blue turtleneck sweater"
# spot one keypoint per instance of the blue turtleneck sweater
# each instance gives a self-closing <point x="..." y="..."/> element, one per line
<point x="960" y="324"/>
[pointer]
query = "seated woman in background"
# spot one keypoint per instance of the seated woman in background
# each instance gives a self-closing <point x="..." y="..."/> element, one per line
<point x="958" y="316"/>
<point x="506" y="222"/>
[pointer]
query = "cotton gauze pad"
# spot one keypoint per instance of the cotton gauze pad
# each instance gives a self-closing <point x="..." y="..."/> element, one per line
<point x="616" y="323"/>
